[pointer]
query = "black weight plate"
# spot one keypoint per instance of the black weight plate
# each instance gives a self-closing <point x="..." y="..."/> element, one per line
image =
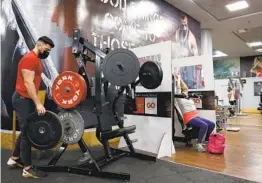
<point x="121" y="67"/>
<point x="44" y="132"/>
<point x="151" y="75"/>
<point x="42" y="129"/>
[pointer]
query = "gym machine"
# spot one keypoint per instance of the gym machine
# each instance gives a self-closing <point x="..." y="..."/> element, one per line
<point x="67" y="127"/>
<point x="188" y="130"/>
<point x="237" y="84"/>
<point x="260" y="104"/>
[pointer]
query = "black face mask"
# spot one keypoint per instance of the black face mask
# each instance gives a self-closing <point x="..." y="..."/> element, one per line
<point x="43" y="55"/>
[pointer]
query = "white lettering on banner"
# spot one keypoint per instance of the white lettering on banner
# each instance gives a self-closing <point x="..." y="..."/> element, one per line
<point x="151" y="106"/>
<point x="99" y="41"/>
<point x="113" y="43"/>
<point x="121" y="4"/>
<point x="130" y="27"/>
<point x="121" y="24"/>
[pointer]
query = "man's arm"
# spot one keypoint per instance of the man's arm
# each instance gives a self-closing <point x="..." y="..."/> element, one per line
<point x="30" y="86"/>
<point x="193" y="44"/>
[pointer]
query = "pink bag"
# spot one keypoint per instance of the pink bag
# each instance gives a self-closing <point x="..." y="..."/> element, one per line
<point x="216" y="144"/>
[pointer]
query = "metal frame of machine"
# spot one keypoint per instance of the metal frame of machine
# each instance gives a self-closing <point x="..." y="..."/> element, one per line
<point x="93" y="166"/>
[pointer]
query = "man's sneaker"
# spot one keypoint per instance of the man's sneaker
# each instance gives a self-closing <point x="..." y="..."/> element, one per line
<point x="14" y="163"/>
<point x="33" y="173"/>
<point x="85" y="158"/>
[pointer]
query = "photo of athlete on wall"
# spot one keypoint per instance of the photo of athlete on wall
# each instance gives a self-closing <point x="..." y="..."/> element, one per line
<point x="186" y="38"/>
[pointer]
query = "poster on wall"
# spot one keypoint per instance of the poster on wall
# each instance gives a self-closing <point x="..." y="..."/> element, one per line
<point x="257" y="88"/>
<point x="193" y="76"/>
<point x="205" y="101"/>
<point x="226" y="68"/>
<point x="152" y="104"/>
<point x="106" y="24"/>
<point x="251" y="66"/>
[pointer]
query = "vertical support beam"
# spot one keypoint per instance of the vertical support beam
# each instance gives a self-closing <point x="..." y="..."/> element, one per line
<point x="98" y="103"/>
<point x="206" y="41"/>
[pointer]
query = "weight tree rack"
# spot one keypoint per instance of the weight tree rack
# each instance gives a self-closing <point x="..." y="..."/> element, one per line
<point x="93" y="166"/>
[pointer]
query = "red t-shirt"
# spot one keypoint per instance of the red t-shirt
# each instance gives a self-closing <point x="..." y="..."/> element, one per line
<point x="31" y="62"/>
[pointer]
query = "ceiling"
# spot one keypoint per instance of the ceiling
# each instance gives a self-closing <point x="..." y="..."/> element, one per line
<point x="224" y="24"/>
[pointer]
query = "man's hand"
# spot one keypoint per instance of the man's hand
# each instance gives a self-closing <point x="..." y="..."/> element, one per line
<point x="40" y="109"/>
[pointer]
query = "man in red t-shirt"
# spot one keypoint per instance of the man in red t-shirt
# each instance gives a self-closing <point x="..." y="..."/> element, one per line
<point x="25" y="101"/>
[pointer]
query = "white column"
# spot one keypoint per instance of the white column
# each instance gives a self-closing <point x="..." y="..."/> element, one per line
<point x="206" y="41"/>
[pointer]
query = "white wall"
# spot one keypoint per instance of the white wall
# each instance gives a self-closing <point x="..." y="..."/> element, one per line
<point x="206" y="61"/>
<point x="221" y="89"/>
<point x="150" y="130"/>
<point x="249" y="100"/>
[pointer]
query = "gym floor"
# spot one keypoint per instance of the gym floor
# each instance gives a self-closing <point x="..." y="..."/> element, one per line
<point x="243" y="153"/>
<point x="242" y="158"/>
<point x="141" y="172"/>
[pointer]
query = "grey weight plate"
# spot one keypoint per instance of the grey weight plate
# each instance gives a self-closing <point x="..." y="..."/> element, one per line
<point x="121" y="67"/>
<point x="73" y="126"/>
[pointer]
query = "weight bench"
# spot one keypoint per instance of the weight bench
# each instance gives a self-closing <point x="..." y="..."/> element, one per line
<point x="118" y="133"/>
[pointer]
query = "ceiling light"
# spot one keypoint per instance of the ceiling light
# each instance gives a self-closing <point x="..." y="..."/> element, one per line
<point x="240" y="31"/>
<point x="237" y="6"/>
<point x="255" y="44"/>
<point x="219" y="54"/>
<point x="259" y="50"/>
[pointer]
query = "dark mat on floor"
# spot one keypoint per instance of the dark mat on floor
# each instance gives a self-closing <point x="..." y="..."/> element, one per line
<point x="141" y="172"/>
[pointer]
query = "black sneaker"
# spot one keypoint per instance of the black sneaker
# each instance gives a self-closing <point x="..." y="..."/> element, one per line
<point x="15" y="163"/>
<point x="33" y="173"/>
